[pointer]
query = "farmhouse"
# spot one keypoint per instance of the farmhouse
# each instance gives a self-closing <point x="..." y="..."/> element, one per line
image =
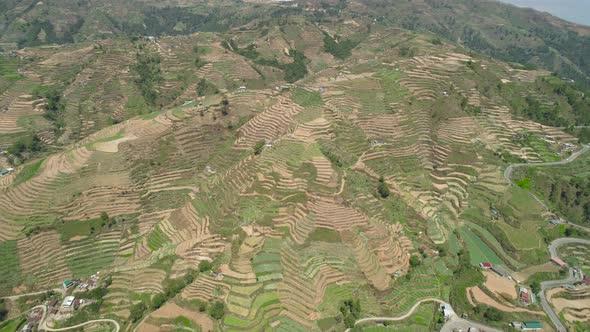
<point x="525" y="296"/>
<point x="67" y="284"/>
<point x="68" y="303"/>
<point x="558" y="261"/>
<point x="485" y="265"/>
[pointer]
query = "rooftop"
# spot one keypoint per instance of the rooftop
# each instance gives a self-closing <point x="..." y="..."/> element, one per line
<point x="68" y="301"/>
<point x="532" y="325"/>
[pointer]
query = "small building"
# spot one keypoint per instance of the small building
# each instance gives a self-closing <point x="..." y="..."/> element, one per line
<point x="532" y="326"/>
<point x="525" y="298"/>
<point x="68" y="301"/>
<point x="516" y="325"/>
<point x="447" y="311"/>
<point x="558" y="261"/>
<point x="27" y="328"/>
<point x="52" y="303"/>
<point x="501" y="271"/>
<point x="586" y="280"/>
<point x="67" y="284"/>
<point x="485" y="265"/>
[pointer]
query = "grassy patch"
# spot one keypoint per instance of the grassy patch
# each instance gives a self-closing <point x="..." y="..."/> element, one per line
<point x="157" y="239"/>
<point x="71" y="229"/>
<point x="9" y="274"/>
<point x="478" y="251"/>
<point x="28" y="172"/>
<point x="524" y="183"/>
<point x="325" y="235"/>
<point x="307" y="98"/>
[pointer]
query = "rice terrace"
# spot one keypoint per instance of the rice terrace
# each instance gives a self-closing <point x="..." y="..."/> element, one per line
<point x="293" y="166"/>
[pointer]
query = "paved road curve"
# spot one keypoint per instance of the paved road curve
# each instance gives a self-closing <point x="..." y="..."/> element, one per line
<point x="43" y="326"/>
<point x="454" y="322"/>
<point x="574" y="156"/>
<point x="546" y="285"/>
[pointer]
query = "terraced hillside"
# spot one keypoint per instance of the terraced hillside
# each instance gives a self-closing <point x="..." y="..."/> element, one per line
<point x="194" y="173"/>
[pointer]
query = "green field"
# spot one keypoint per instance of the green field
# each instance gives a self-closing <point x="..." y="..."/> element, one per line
<point x="478" y="250"/>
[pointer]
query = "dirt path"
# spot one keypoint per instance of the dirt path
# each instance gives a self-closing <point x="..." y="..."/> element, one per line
<point x="402" y="317"/>
<point x="43" y="322"/>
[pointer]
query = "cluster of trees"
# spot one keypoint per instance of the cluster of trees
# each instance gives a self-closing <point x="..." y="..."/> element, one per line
<point x="169" y="20"/>
<point x="205" y="87"/>
<point x="577" y="97"/>
<point x="105" y="221"/>
<point x="571" y="197"/>
<point x="297" y="69"/>
<point x="171" y="288"/>
<point x="351" y="311"/>
<point x="34" y="29"/>
<point x="294" y="71"/>
<point x="149" y="74"/>
<point x="332" y="157"/>
<point x="217" y="310"/>
<point x="198" y="61"/>
<point x="340" y="48"/>
<point x="536" y="112"/>
<point x="3" y="310"/>
<point x="259" y="147"/>
<point x="382" y="188"/>
<point x="27" y="145"/>
<point x="465" y="276"/>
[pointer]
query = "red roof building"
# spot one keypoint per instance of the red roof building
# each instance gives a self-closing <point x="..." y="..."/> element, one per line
<point x="558" y="261"/>
<point x="586" y="280"/>
<point x="525" y="297"/>
<point x="485" y="265"/>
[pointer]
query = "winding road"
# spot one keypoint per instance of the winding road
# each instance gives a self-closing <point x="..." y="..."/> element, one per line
<point x="43" y="323"/>
<point x="574" y="156"/>
<point x="546" y="285"/>
<point x="453" y="323"/>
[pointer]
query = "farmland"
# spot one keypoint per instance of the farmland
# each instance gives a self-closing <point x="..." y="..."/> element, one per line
<point x="287" y="174"/>
<point x="478" y="251"/>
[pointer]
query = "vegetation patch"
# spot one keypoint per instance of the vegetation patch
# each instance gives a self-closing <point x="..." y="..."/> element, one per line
<point x="307" y="98"/>
<point x="28" y="172"/>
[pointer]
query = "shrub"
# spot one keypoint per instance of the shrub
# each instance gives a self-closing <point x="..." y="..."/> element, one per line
<point x="382" y="188"/>
<point x="414" y="261"/>
<point x="206" y="88"/>
<point x="205" y="266"/>
<point x="259" y="147"/>
<point x="137" y="312"/>
<point x="217" y="310"/>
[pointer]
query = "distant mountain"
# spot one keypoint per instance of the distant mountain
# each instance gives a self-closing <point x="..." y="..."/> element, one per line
<point x="499" y="30"/>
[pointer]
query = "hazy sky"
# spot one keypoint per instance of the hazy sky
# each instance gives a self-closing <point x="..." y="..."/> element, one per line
<point x="577" y="11"/>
